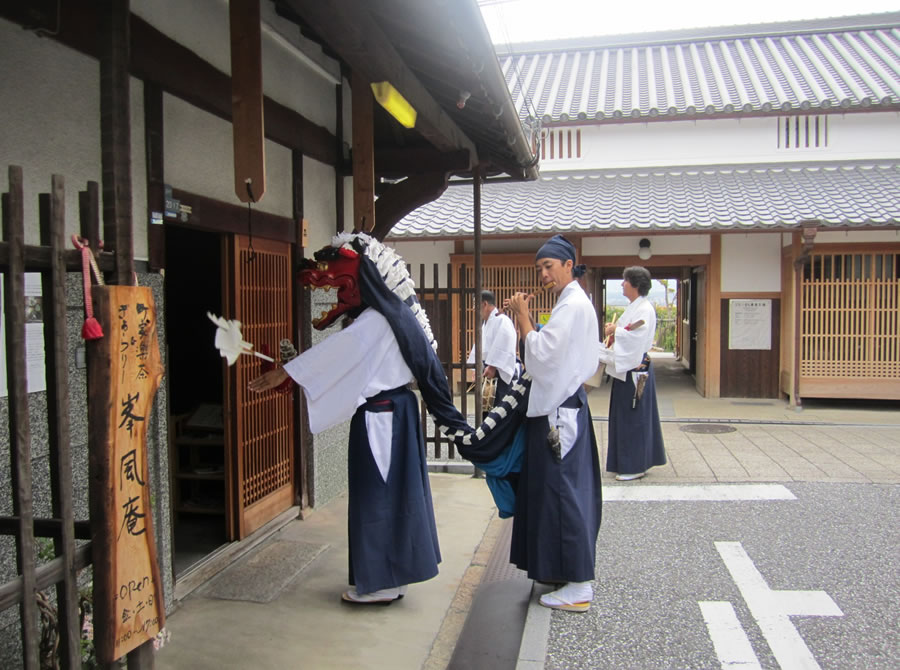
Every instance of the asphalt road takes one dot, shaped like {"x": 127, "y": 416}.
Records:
{"x": 836, "y": 548}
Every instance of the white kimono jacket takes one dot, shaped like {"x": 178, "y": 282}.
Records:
{"x": 498, "y": 345}
{"x": 563, "y": 354}
{"x": 630, "y": 346}
{"x": 345, "y": 368}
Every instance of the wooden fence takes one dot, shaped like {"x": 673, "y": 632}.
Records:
{"x": 441, "y": 304}
{"x": 50, "y": 623}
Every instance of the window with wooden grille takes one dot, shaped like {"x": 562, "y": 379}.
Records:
{"x": 850, "y": 314}
{"x": 802, "y": 132}
{"x": 504, "y": 281}
{"x": 559, "y": 143}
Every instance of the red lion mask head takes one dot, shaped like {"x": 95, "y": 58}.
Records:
{"x": 336, "y": 272}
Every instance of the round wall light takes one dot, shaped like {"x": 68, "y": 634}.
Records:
{"x": 644, "y": 249}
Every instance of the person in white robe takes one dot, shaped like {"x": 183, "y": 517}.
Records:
{"x": 635, "y": 441}
{"x": 498, "y": 345}
{"x": 558, "y": 497}
{"x": 359, "y": 373}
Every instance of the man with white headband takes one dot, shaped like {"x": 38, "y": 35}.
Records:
{"x": 558, "y": 498}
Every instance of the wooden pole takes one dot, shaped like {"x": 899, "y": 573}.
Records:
{"x": 363, "y": 155}
{"x": 115, "y": 134}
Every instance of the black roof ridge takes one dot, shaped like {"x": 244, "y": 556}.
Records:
{"x": 836, "y": 24}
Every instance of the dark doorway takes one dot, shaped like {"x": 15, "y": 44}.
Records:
{"x": 193, "y": 287}
{"x": 692, "y": 320}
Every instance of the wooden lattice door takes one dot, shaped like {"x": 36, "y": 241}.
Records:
{"x": 261, "y": 437}
{"x": 850, "y": 324}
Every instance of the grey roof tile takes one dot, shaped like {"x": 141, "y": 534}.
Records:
{"x": 683, "y": 198}
{"x": 816, "y": 65}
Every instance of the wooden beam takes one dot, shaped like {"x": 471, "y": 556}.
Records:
{"x": 36, "y": 259}
{"x": 247, "y": 100}
{"x": 352, "y": 32}
{"x": 220, "y": 217}
{"x": 363, "y": 155}
{"x": 403, "y": 197}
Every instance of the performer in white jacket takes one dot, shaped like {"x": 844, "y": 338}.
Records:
{"x": 635, "y": 436}
{"x": 558, "y": 499}
{"x": 498, "y": 345}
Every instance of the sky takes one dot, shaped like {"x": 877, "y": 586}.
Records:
{"x": 511, "y": 21}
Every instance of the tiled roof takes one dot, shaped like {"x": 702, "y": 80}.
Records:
{"x": 670, "y": 199}
{"x": 770, "y": 68}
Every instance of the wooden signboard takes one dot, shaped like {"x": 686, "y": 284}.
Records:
{"x": 124, "y": 373}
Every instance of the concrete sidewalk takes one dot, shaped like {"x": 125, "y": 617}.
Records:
{"x": 279, "y": 607}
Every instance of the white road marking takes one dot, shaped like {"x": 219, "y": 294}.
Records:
{"x": 771, "y": 609}
{"x": 688, "y": 492}
{"x": 728, "y": 637}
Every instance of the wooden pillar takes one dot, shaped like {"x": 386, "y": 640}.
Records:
{"x": 115, "y": 134}
{"x": 303, "y": 334}
{"x": 796, "y": 247}
{"x": 156, "y": 188}
{"x": 339, "y": 143}
{"x": 713, "y": 323}
{"x": 363, "y": 155}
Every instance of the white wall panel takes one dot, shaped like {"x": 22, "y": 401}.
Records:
{"x": 660, "y": 245}
{"x": 429, "y": 253}
{"x": 318, "y": 203}
{"x": 751, "y": 262}
{"x": 868, "y": 136}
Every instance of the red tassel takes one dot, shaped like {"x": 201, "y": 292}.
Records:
{"x": 91, "y": 330}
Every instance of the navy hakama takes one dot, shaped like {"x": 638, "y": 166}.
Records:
{"x": 635, "y": 436}
{"x": 392, "y": 532}
{"x": 558, "y": 504}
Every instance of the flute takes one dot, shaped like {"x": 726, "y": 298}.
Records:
{"x": 545, "y": 287}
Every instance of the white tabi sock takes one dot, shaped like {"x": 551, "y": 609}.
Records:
{"x": 575, "y": 592}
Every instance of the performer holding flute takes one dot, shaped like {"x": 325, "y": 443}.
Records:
{"x": 558, "y": 500}
{"x": 635, "y": 436}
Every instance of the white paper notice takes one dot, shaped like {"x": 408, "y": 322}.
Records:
{"x": 750, "y": 324}
{"x": 34, "y": 337}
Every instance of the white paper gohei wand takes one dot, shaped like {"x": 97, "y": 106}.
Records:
{"x": 229, "y": 340}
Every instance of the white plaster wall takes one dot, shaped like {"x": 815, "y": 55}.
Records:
{"x": 45, "y": 80}
{"x": 199, "y": 158}
{"x": 318, "y": 202}
{"x": 864, "y": 136}
{"x": 427, "y": 253}
{"x": 660, "y": 245}
{"x": 285, "y": 77}
{"x": 751, "y": 262}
